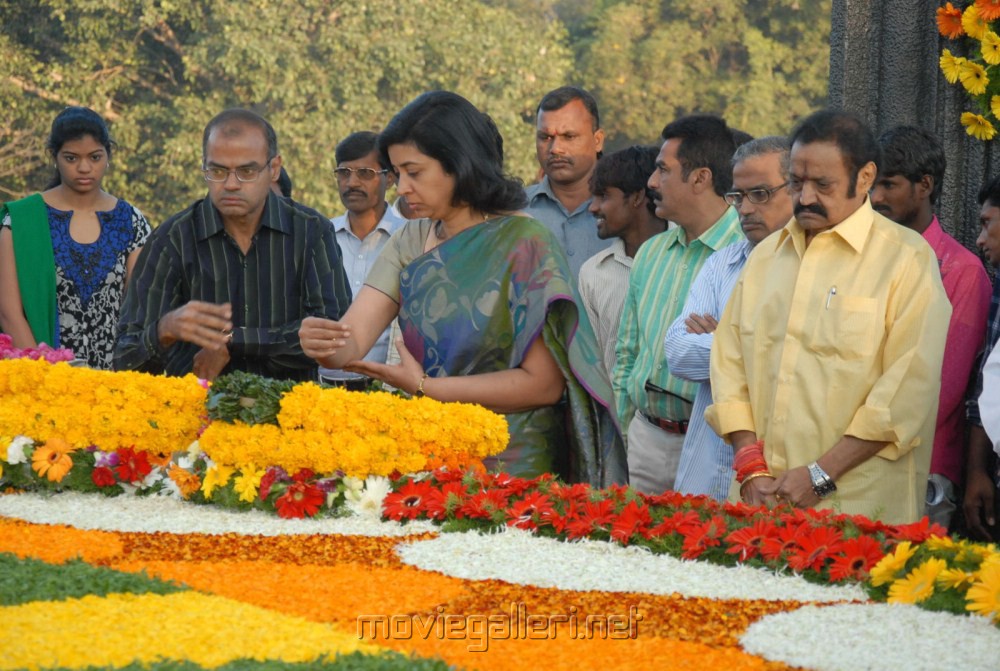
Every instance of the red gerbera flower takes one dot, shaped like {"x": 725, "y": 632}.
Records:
{"x": 102, "y": 476}
{"x": 918, "y": 531}
{"x": 746, "y": 542}
{"x": 304, "y": 475}
{"x": 815, "y": 546}
{"x": 857, "y": 557}
{"x": 576, "y": 492}
{"x": 699, "y": 538}
{"x": 633, "y": 519}
{"x": 132, "y": 466}
{"x": 559, "y": 521}
{"x": 599, "y": 513}
{"x": 408, "y": 502}
{"x": 300, "y": 500}
{"x": 679, "y": 522}
{"x": 949, "y": 20}
{"x": 526, "y": 513}
{"x": 786, "y": 540}
{"x": 440, "y": 502}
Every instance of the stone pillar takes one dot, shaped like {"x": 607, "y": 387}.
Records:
{"x": 884, "y": 66}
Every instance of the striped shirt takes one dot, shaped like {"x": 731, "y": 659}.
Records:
{"x": 603, "y": 284}
{"x": 992, "y": 335}
{"x": 662, "y": 273}
{"x": 706, "y": 465}
{"x": 293, "y": 269}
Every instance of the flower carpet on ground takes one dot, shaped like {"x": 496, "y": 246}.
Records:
{"x": 437, "y": 592}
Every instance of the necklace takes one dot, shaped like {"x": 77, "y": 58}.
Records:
{"x": 442, "y": 234}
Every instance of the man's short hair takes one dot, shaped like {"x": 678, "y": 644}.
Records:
{"x": 284, "y": 183}
{"x": 628, "y": 169}
{"x": 229, "y": 122}
{"x": 990, "y": 192}
{"x": 564, "y": 95}
{"x": 846, "y": 130}
{"x": 358, "y": 145}
{"x": 913, "y": 152}
{"x": 762, "y": 146}
{"x": 706, "y": 142}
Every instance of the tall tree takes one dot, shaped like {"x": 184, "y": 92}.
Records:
{"x": 761, "y": 64}
{"x": 318, "y": 70}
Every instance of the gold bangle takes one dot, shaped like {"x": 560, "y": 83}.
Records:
{"x": 758, "y": 474}
{"x": 419, "y": 393}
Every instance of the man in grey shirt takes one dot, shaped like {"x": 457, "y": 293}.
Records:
{"x": 568, "y": 142}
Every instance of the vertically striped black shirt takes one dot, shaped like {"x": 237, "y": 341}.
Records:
{"x": 292, "y": 270}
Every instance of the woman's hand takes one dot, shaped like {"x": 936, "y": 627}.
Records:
{"x": 406, "y": 375}
{"x": 322, "y": 338}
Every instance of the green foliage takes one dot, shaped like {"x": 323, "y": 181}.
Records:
{"x": 245, "y": 397}
{"x": 355, "y": 661}
{"x": 25, "y": 580}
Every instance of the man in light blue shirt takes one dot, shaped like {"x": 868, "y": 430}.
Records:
{"x": 363, "y": 230}
{"x": 568, "y": 142}
{"x": 760, "y": 174}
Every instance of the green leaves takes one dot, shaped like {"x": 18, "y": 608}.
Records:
{"x": 247, "y": 398}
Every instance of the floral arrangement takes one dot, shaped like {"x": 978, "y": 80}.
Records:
{"x": 821, "y": 545}
{"x": 43, "y": 351}
{"x": 941, "y": 574}
{"x": 977, "y": 73}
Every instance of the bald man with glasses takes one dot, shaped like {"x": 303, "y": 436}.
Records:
{"x": 224, "y": 285}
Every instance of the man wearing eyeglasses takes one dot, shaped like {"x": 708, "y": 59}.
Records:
{"x": 693, "y": 171}
{"x": 760, "y": 196}
{"x": 224, "y": 285}
{"x": 362, "y": 231}
{"x": 830, "y": 348}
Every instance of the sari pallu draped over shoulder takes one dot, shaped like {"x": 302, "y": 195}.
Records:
{"x": 476, "y": 303}
{"x": 36, "y": 266}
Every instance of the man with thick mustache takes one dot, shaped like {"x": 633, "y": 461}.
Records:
{"x": 830, "y": 349}
{"x": 693, "y": 172}
{"x": 568, "y": 142}
{"x": 362, "y": 231}
{"x": 760, "y": 196}
{"x": 224, "y": 284}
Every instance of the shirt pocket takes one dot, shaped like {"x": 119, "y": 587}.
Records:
{"x": 847, "y": 328}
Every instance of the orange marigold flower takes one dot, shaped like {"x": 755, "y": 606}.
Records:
{"x": 949, "y": 20}
{"x": 988, "y": 9}
{"x": 186, "y": 481}
{"x": 52, "y": 460}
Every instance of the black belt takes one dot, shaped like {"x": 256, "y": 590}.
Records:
{"x": 669, "y": 425}
{"x": 350, "y": 384}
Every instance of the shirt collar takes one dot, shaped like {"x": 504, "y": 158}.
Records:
{"x": 934, "y": 233}
{"x": 716, "y": 237}
{"x": 544, "y": 188}
{"x": 274, "y": 216}
{"x": 853, "y": 230}
{"x": 389, "y": 222}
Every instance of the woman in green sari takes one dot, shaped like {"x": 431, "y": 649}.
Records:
{"x": 484, "y": 298}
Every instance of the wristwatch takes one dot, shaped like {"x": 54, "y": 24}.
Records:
{"x": 822, "y": 483}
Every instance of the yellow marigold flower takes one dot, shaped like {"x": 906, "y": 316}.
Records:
{"x": 951, "y": 65}
{"x": 978, "y": 126}
{"x": 248, "y": 482}
{"x": 919, "y": 584}
{"x": 973, "y": 23}
{"x": 889, "y": 566}
{"x": 216, "y": 476}
{"x": 52, "y": 460}
{"x": 983, "y": 596}
{"x": 991, "y": 48}
{"x": 973, "y": 77}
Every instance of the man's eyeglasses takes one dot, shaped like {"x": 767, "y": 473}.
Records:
{"x": 364, "y": 174}
{"x": 755, "y": 196}
{"x": 244, "y": 173}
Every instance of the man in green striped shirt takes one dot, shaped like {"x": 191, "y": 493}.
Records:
{"x": 693, "y": 171}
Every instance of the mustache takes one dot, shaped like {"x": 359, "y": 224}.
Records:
{"x": 559, "y": 159}
{"x": 350, "y": 191}
{"x": 815, "y": 208}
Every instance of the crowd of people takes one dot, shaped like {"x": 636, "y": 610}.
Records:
{"x": 778, "y": 320}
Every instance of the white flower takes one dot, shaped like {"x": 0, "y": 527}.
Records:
{"x": 194, "y": 450}
{"x": 352, "y": 487}
{"x": 186, "y": 461}
{"x": 16, "y": 449}
{"x": 370, "y": 502}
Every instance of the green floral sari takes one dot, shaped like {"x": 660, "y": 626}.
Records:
{"x": 475, "y": 304}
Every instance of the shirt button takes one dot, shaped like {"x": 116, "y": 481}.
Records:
{"x": 570, "y": 252}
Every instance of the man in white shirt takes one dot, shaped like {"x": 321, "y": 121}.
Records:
{"x": 362, "y": 231}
